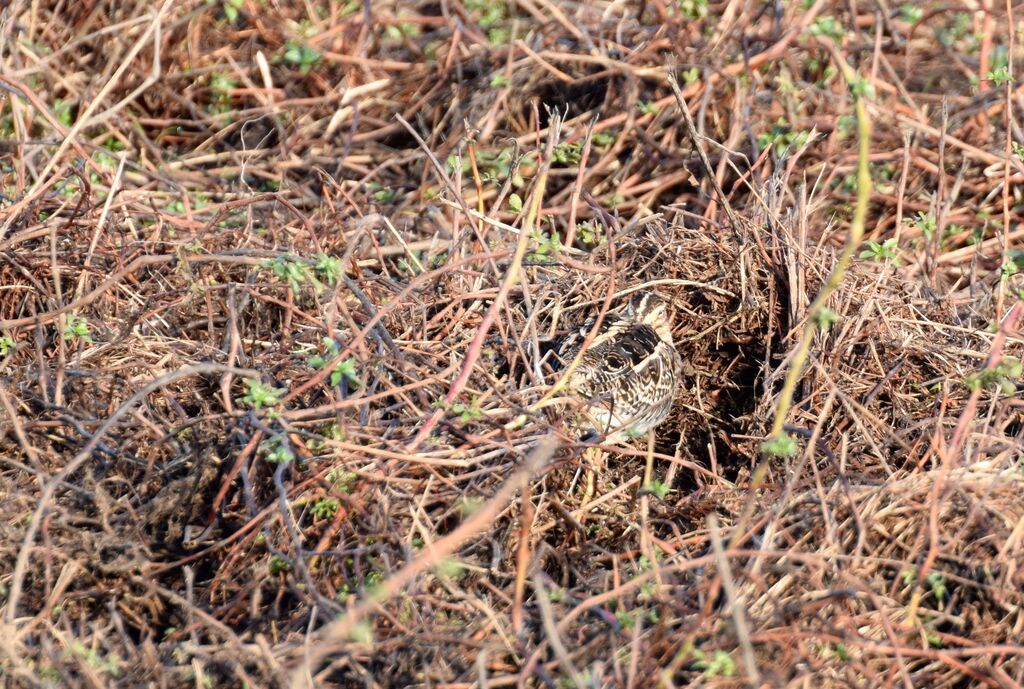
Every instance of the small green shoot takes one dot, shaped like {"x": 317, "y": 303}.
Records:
{"x": 548, "y": 245}
{"x": 325, "y": 508}
{"x": 826, "y": 318}
{"x": 1003, "y": 376}
{"x": 109, "y": 665}
{"x": 62, "y": 110}
{"x": 278, "y": 565}
{"x": 782, "y": 138}
{"x": 230, "y": 9}
{"x": 468, "y": 412}
{"x": 937, "y": 582}
{"x": 568, "y": 153}
{"x": 783, "y": 445}
{"x": 515, "y": 202}
{"x": 693, "y": 9}
{"x": 7, "y": 345}
{"x": 926, "y": 222}
{"x": 1000, "y": 75}
{"x": 589, "y": 233}
{"x": 329, "y": 268}
{"x": 657, "y": 488}
{"x": 720, "y": 664}
{"x": 221, "y": 88}
{"x": 911, "y": 14}
{"x": 885, "y": 251}
{"x": 301, "y": 54}
{"x": 647, "y": 108}
{"x": 828, "y": 26}
{"x": 260, "y": 395}
{"x": 603, "y": 139}
{"x": 341, "y": 479}
{"x": 295, "y": 273}
{"x": 276, "y": 451}
{"x": 77, "y": 328}
{"x": 344, "y": 370}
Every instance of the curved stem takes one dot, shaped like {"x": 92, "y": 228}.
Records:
{"x": 835, "y": 278}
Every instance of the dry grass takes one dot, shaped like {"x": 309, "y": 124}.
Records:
{"x": 275, "y": 297}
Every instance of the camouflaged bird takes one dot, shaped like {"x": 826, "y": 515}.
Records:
{"x": 629, "y": 373}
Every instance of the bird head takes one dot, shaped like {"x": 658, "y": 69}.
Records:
{"x": 651, "y": 309}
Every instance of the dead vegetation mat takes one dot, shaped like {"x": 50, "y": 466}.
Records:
{"x": 260, "y": 425}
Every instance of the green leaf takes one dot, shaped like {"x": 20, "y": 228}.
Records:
{"x": 783, "y": 445}
{"x": 826, "y": 318}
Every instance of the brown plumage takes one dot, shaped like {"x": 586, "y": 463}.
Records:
{"x": 629, "y": 373}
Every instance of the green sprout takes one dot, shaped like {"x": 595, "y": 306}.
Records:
{"x": 828, "y": 26}
{"x": 278, "y": 565}
{"x": 329, "y": 268}
{"x": 110, "y": 665}
{"x": 589, "y": 233}
{"x": 295, "y": 273}
{"x": 926, "y": 222}
{"x": 603, "y": 139}
{"x": 325, "y": 508}
{"x": 276, "y": 451}
{"x": 885, "y": 251}
{"x": 468, "y": 412}
{"x": 222, "y": 86}
{"x": 911, "y": 14}
{"x": 344, "y": 370}
{"x": 62, "y": 110}
{"x": 647, "y": 107}
{"x": 230, "y": 9}
{"x": 490, "y": 15}
{"x": 937, "y": 582}
{"x": 1000, "y": 75}
{"x": 826, "y": 318}
{"x": 400, "y": 31}
{"x": 656, "y": 488}
{"x": 1003, "y": 376}
{"x": 341, "y": 479}
{"x": 260, "y": 395}
{"x": 7, "y": 345}
{"x": 515, "y": 202}
{"x": 693, "y": 9}
{"x": 720, "y": 664}
{"x": 382, "y": 195}
{"x": 782, "y": 137}
{"x": 783, "y": 445}
{"x": 568, "y": 153}
{"x": 77, "y": 328}
{"x": 548, "y": 246}
{"x": 301, "y": 54}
